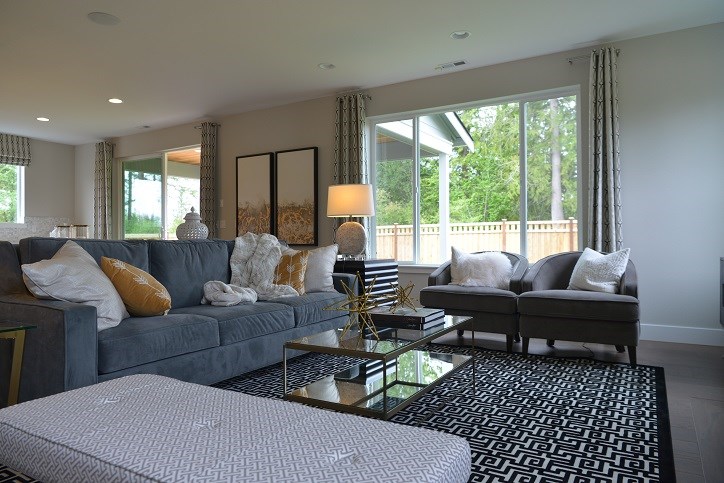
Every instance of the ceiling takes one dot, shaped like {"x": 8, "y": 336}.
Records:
{"x": 178, "y": 61}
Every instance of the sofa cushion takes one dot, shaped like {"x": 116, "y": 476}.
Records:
{"x": 241, "y": 322}
{"x": 579, "y": 305}
{"x": 291, "y": 269}
{"x": 139, "y": 340}
{"x": 134, "y": 252}
{"x": 142, "y": 294}
{"x": 474, "y": 299}
{"x": 183, "y": 267}
{"x": 72, "y": 275}
{"x": 310, "y": 308}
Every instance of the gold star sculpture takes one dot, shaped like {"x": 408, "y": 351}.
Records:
{"x": 402, "y": 297}
{"x": 358, "y": 307}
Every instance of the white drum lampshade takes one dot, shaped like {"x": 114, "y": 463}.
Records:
{"x": 348, "y": 201}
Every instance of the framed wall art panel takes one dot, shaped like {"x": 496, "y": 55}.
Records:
{"x": 296, "y": 196}
{"x": 255, "y": 193}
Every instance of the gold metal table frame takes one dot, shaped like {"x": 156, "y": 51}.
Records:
{"x": 15, "y": 333}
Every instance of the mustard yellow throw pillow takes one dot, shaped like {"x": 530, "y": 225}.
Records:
{"x": 291, "y": 269}
{"x": 142, "y": 294}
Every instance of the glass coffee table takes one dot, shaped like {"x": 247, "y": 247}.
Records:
{"x": 390, "y": 373}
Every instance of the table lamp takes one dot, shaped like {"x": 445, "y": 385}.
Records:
{"x": 350, "y": 200}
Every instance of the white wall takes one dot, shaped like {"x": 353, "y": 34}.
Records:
{"x": 49, "y": 191}
{"x": 671, "y": 124}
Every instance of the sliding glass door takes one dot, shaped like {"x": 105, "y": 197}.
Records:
{"x": 157, "y": 191}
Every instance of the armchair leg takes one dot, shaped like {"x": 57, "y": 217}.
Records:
{"x": 460, "y": 333}
{"x": 516, "y": 338}
{"x": 550, "y": 342}
{"x": 509, "y": 343}
{"x": 526, "y": 341}
{"x": 620, "y": 348}
{"x": 632, "y": 354}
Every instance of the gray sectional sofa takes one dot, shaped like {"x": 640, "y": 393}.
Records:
{"x": 194, "y": 343}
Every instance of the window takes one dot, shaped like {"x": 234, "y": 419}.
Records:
{"x": 158, "y": 191}
{"x": 12, "y": 184}
{"x": 500, "y": 176}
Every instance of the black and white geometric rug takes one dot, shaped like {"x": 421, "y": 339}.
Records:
{"x": 529, "y": 419}
{"x": 532, "y": 418}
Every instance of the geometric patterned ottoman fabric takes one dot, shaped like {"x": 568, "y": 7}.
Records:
{"x": 153, "y": 428}
{"x": 533, "y": 418}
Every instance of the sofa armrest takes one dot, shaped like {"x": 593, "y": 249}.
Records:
{"x": 349, "y": 280}
{"x": 629, "y": 281}
{"x": 550, "y": 273}
{"x": 516, "y": 279}
{"x": 441, "y": 275}
{"x": 61, "y": 353}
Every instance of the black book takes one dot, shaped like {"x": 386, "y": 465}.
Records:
{"x": 404, "y": 318}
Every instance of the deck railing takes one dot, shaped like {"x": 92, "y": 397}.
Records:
{"x": 543, "y": 238}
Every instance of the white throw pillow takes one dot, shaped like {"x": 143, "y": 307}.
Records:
{"x": 320, "y": 265}
{"x": 72, "y": 275}
{"x": 489, "y": 269}
{"x": 598, "y": 272}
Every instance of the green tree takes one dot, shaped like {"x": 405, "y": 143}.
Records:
{"x": 8, "y": 193}
{"x": 485, "y": 181}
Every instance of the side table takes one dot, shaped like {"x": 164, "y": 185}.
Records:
{"x": 385, "y": 269}
{"x": 16, "y": 333}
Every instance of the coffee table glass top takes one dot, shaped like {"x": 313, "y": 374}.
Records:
{"x": 361, "y": 388}
{"x": 391, "y": 340}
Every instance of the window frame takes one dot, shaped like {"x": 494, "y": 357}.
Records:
{"x": 521, "y": 99}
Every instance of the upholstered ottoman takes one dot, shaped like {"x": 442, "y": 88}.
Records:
{"x": 146, "y": 428}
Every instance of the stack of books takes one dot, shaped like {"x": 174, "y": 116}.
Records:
{"x": 404, "y": 318}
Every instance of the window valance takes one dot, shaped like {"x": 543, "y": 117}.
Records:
{"x": 14, "y": 150}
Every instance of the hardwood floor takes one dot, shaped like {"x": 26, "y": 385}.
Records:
{"x": 694, "y": 387}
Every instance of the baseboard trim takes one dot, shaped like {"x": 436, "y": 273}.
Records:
{"x": 683, "y": 335}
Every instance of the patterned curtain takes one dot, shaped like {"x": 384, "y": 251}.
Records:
{"x": 350, "y": 153}
{"x": 604, "y": 234}
{"x": 209, "y": 131}
{"x": 102, "y": 191}
{"x": 14, "y": 150}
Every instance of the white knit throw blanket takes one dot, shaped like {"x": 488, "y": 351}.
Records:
{"x": 253, "y": 263}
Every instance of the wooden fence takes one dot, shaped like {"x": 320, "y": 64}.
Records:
{"x": 544, "y": 238}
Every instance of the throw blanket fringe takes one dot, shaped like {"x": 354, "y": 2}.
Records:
{"x": 224, "y": 294}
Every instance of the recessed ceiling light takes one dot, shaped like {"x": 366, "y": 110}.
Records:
{"x": 325, "y": 66}
{"x": 460, "y": 35}
{"x": 114, "y": 100}
{"x": 102, "y": 18}
{"x": 43, "y": 119}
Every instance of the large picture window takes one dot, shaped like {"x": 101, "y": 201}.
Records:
{"x": 500, "y": 176}
{"x": 11, "y": 193}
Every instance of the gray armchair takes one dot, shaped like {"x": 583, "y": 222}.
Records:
{"x": 493, "y": 310}
{"x": 549, "y": 311}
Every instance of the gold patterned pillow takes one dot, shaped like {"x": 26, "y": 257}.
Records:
{"x": 291, "y": 269}
{"x": 143, "y": 295}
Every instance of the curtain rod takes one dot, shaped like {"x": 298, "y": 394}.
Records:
{"x": 213, "y": 124}
{"x": 355, "y": 91}
{"x": 578, "y": 58}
